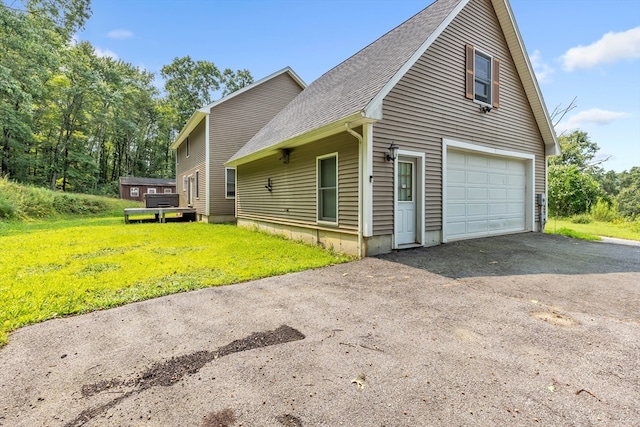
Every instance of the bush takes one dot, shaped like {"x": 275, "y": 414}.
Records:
{"x": 7, "y": 208}
{"x": 604, "y": 211}
{"x": 581, "y": 219}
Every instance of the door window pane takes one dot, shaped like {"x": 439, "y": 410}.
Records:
{"x": 405, "y": 182}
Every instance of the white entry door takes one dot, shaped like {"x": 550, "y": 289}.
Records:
{"x": 406, "y": 206}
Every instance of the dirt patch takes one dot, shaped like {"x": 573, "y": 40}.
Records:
{"x": 169, "y": 372}
{"x": 555, "y": 318}
{"x": 288, "y": 420}
{"x": 224, "y": 418}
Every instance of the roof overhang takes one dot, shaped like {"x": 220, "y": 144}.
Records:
{"x": 527, "y": 76}
{"x": 354, "y": 120}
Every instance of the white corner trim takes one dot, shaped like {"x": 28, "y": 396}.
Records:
{"x": 207, "y": 166}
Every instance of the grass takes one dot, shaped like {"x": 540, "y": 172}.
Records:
{"x": 70, "y": 266}
{"x": 617, "y": 229}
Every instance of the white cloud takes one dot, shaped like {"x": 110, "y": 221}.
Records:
{"x": 543, "y": 71}
{"x": 594, "y": 116}
{"x": 611, "y": 47}
{"x": 120, "y": 34}
{"x": 102, "y": 53}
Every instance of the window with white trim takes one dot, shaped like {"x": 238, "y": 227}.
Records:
{"x": 327, "y": 172}
{"x": 197, "y": 184}
{"x": 482, "y": 82}
{"x": 230, "y": 183}
{"x": 151, "y": 191}
{"x": 134, "y": 192}
{"x": 168, "y": 190}
{"x": 184, "y": 183}
{"x": 186, "y": 146}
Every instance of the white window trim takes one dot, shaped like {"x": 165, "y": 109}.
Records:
{"x": 226, "y": 183}
{"x": 324, "y": 221}
{"x": 490, "y": 57}
{"x": 135, "y": 190}
{"x": 187, "y": 149}
{"x": 197, "y": 184}
{"x": 184, "y": 183}
{"x": 152, "y": 190}
{"x": 167, "y": 190}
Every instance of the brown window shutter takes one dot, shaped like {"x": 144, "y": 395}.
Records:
{"x": 495, "y": 96}
{"x": 469, "y": 72}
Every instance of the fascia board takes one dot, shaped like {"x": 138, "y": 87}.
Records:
{"x": 193, "y": 121}
{"x": 373, "y": 108}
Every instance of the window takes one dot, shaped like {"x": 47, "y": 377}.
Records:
{"x": 151, "y": 191}
{"x": 230, "y": 183}
{"x": 134, "y": 192}
{"x": 197, "y": 184}
{"x": 328, "y": 188}
{"x": 168, "y": 191}
{"x": 405, "y": 182}
{"x": 186, "y": 146}
{"x": 184, "y": 183}
{"x": 482, "y": 77}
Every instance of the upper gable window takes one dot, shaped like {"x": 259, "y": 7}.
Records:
{"x": 482, "y": 77}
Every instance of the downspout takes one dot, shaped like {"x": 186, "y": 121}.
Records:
{"x": 360, "y": 185}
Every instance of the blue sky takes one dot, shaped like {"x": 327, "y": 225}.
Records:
{"x": 589, "y": 49}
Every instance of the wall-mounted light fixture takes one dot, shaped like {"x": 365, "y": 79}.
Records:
{"x": 285, "y": 156}
{"x": 268, "y": 186}
{"x": 485, "y": 109}
{"x": 393, "y": 152}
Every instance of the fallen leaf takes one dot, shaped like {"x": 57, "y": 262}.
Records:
{"x": 359, "y": 381}
{"x": 551, "y": 388}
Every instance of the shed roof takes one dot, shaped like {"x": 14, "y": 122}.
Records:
{"x": 352, "y": 92}
{"x": 200, "y": 113}
{"x": 134, "y": 180}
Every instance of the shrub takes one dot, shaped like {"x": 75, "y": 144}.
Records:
{"x": 581, "y": 219}
{"x": 604, "y": 211}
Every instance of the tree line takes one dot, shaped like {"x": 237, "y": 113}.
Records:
{"x": 578, "y": 183}
{"x": 75, "y": 121}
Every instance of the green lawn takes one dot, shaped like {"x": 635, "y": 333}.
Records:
{"x": 52, "y": 269}
{"x": 621, "y": 229}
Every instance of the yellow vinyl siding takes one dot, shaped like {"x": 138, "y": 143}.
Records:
{"x": 189, "y": 165}
{"x": 429, "y": 104}
{"x": 293, "y": 199}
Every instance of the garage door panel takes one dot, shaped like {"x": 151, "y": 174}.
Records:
{"x": 476, "y": 227}
{"x": 457, "y": 193}
{"x": 457, "y": 176}
{"x": 477, "y": 178}
{"x": 477, "y": 209}
{"x": 491, "y": 198}
{"x": 477, "y": 160}
{"x": 498, "y": 178}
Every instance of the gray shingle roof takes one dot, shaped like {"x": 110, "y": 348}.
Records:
{"x": 350, "y": 87}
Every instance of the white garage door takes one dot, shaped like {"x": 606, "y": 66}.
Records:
{"x": 485, "y": 195}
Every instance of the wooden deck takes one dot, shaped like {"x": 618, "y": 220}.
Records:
{"x": 160, "y": 214}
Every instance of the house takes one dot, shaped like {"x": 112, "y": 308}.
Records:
{"x": 215, "y": 132}
{"x": 134, "y": 188}
{"x": 435, "y": 132}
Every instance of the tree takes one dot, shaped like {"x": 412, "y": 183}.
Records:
{"x": 190, "y": 85}
{"x": 573, "y": 187}
{"x": 235, "y": 80}
{"x": 629, "y": 196}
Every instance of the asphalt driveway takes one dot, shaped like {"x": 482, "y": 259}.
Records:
{"x": 525, "y": 329}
